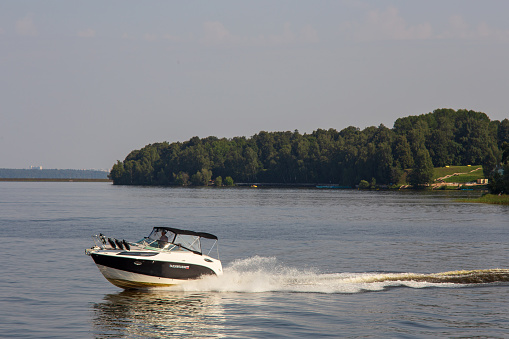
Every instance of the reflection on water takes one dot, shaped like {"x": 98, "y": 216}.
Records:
{"x": 158, "y": 314}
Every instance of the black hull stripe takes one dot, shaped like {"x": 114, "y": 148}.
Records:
{"x": 162, "y": 269}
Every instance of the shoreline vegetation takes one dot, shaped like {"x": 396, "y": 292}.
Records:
{"x": 451, "y": 186}
{"x": 450, "y": 178}
{"x": 485, "y": 198}
{"x": 434, "y": 151}
{"x": 407, "y": 155}
{"x": 494, "y": 199}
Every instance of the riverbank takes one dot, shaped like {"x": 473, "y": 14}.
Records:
{"x": 489, "y": 199}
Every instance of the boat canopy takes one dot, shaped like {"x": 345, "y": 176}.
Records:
{"x": 169, "y": 239}
{"x": 185, "y": 232}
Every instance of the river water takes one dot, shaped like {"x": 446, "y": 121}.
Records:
{"x": 298, "y": 263}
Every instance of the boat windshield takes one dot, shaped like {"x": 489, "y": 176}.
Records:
{"x": 170, "y": 239}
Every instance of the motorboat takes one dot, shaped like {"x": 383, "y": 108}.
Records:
{"x": 168, "y": 256}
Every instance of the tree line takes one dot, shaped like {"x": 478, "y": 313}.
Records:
{"x": 380, "y": 154}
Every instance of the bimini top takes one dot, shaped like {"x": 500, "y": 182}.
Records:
{"x": 185, "y": 232}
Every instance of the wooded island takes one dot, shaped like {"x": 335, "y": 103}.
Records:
{"x": 407, "y": 153}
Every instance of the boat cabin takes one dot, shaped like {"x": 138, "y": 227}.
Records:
{"x": 174, "y": 239}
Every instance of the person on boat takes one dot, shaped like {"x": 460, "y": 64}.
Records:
{"x": 163, "y": 237}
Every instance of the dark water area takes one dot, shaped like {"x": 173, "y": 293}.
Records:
{"x": 297, "y": 262}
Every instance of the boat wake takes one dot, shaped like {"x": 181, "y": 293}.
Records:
{"x": 259, "y": 274}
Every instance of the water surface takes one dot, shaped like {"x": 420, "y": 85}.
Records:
{"x": 298, "y": 263}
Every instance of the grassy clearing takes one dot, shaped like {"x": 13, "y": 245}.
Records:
{"x": 443, "y": 171}
{"x": 468, "y": 175}
{"x": 489, "y": 199}
{"x": 465, "y": 178}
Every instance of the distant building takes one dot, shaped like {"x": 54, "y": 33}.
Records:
{"x": 482, "y": 181}
{"x": 36, "y": 167}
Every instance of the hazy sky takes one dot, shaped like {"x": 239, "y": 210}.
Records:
{"x": 83, "y": 83}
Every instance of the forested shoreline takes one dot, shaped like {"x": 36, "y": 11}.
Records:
{"x": 380, "y": 154}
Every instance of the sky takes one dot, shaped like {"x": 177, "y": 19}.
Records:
{"x": 83, "y": 83}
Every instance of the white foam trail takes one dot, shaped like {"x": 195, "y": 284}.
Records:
{"x": 259, "y": 274}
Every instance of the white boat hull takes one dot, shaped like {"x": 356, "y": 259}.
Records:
{"x": 130, "y": 270}
{"x": 129, "y": 280}
{"x": 155, "y": 261}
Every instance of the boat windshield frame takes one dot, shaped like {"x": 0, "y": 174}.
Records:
{"x": 178, "y": 239}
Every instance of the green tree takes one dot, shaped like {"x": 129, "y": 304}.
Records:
{"x": 218, "y": 181}
{"x": 396, "y": 174}
{"x": 181, "y": 179}
{"x": 228, "y": 181}
{"x": 499, "y": 179}
{"x": 439, "y": 148}
{"x": 373, "y": 183}
{"x": 201, "y": 178}
{"x": 117, "y": 173}
{"x": 251, "y": 164}
{"x": 197, "y": 179}
{"x": 384, "y": 162}
{"x": 162, "y": 178}
{"x": 363, "y": 184}
{"x": 503, "y": 132}
{"x": 328, "y": 156}
{"x": 207, "y": 176}
{"x": 417, "y": 136}
{"x": 422, "y": 173}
